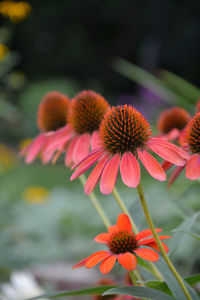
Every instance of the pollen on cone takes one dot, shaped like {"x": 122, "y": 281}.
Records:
{"x": 52, "y": 111}
{"x": 86, "y": 111}
{"x": 175, "y": 117}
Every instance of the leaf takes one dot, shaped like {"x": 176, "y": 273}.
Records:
{"x": 158, "y": 285}
{"x": 193, "y": 279}
{"x": 180, "y": 85}
{"x": 145, "y": 79}
{"x": 194, "y": 235}
{"x": 178, "y": 237}
{"x": 99, "y": 290}
{"x": 143, "y": 292}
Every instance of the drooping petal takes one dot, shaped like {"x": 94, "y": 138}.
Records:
{"x": 108, "y": 263}
{"x": 109, "y": 175}
{"x": 147, "y": 241}
{"x": 81, "y": 148}
{"x": 60, "y": 137}
{"x": 130, "y": 170}
{"x": 95, "y": 258}
{"x": 95, "y": 175}
{"x": 69, "y": 152}
{"x": 95, "y": 140}
{"x": 152, "y": 166}
{"x": 58, "y": 154}
{"x": 102, "y": 238}
{"x": 168, "y": 151}
{"x": 35, "y": 148}
{"x": 166, "y": 165}
{"x": 80, "y": 264}
{"x": 192, "y": 170}
{"x": 176, "y": 172}
{"x": 128, "y": 261}
{"x": 86, "y": 164}
{"x": 145, "y": 233}
{"x": 78, "y": 164}
{"x": 155, "y": 246}
{"x": 124, "y": 223}
{"x": 147, "y": 254}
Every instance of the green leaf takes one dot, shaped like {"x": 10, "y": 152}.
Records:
{"x": 145, "y": 79}
{"x": 158, "y": 285}
{"x": 144, "y": 292}
{"x": 194, "y": 235}
{"x": 99, "y": 290}
{"x": 193, "y": 279}
{"x": 180, "y": 85}
{"x": 178, "y": 237}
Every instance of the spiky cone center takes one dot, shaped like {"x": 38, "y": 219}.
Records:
{"x": 52, "y": 111}
{"x": 124, "y": 129}
{"x": 175, "y": 117}
{"x": 192, "y": 134}
{"x": 122, "y": 242}
{"x": 87, "y": 111}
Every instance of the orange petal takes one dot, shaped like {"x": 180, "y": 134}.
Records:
{"x": 155, "y": 246}
{"x": 102, "y": 238}
{"x": 80, "y": 264}
{"x": 95, "y": 258}
{"x": 128, "y": 261}
{"x": 147, "y": 254}
{"x": 108, "y": 263}
{"x": 113, "y": 229}
{"x": 124, "y": 223}
{"x": 145, "y": 233}
{"x": 162, "y": 237}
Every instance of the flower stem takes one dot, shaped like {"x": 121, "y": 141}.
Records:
{"x": 157, "y": 239}
{"x": 123, "y": 207}
{"x": 133, "y": 278}
{"x": 96, "y": 204}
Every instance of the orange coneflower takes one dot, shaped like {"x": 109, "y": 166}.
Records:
{"x": 172, "y": 122}
{"x": 51, "y": 120}
{"x": 124, "y": 139}
{"x": 123, "y": 245}
{"x": 85, "y": 115}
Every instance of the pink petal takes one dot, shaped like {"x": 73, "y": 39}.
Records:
{"x": 147, "y": 254}
{"x": 95, "y": 140}
{"x": 109, "y": 175}
{"x": 152, "y": 166}
{"x": 124, "y": 223}
{"x": 107, "y": 264}
{"x": 69, "y": 152}
{"x": 173, "y": 134}
{"x": 176, "y": 172}
{"x": 86, "y": 163}
{"x": 130, "y": 170}
{"x": 60, "y": 137}
{"x": 81, "y": 147}
{"x": 128, "y": 261}
{"x": 102, "y": 238}
{"x": 95, "y": 175}
{"x": 166, "y": 165}
{"x": 57, "y": 155}
{"x": 168, "y": 151}
{"x": 35, "y": 148}
{"x": 192, "y": 170}
{"x": 145, "y": 233}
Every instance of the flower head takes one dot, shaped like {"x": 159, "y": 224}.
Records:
{"x": 16, "y": 11}
{"x": 124, "y": 139}
{"x": 52, "y": 122}
{"x": 124, "y": 246}
{"x": 172, "y": 121}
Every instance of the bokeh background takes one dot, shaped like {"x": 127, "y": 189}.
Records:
{"x": 46, "y": 222}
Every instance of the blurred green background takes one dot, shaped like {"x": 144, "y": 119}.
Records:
{"x": 73, "y": 45}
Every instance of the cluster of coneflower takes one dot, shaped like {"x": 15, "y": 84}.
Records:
{"x": 116, "y": 139}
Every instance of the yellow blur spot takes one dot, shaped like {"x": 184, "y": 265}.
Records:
{"x": 35, "y": 194}
{"x": 16, "y": 11}
{"x": 8, "y": 158}
{"x": 3, "y": 51}
{"x": 24, "y": 143}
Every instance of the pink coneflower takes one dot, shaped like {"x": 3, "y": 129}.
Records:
{"x": 191, "y": 143}
{"x": 85, "y": 115}
{"x": 125, "y": 138}
{"x": 172, "y": 122}
{"x": 123, "y": 246}
{"x": 51, "y": 120}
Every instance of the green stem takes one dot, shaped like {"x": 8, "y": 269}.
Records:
{"x": 157, "y": 239}
{"x": 96, "y": 204}
{"x": 123, "y": 207}
{"x": 133, "y": 278}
